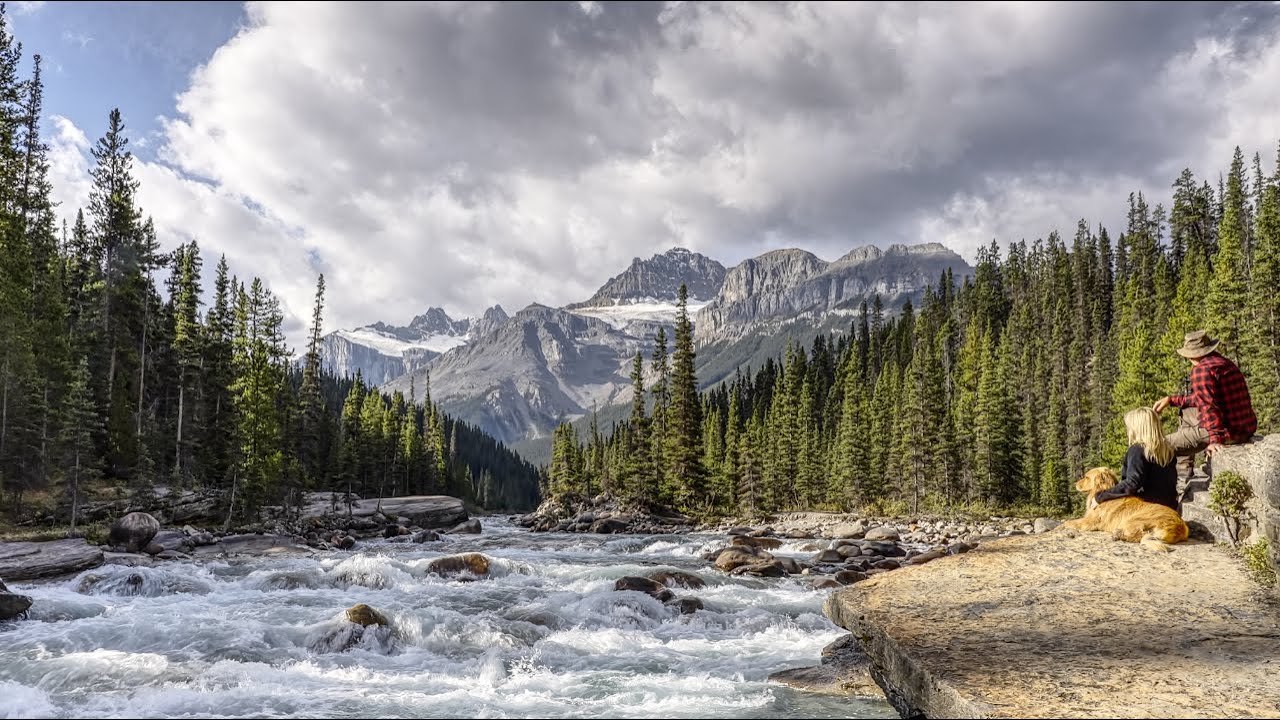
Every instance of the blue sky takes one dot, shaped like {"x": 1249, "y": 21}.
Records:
{"x": 137, "y": 56}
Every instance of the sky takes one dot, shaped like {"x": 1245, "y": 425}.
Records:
{"x": 466, "y": 154}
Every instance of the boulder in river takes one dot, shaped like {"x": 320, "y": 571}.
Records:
{"x": 394, "y": 531}
{"x": 254, "y": 544}
{"x": 36, "y": 560}
{"x": 678, "y": 578}
{"x": 771, "y": 568}
{"x": 428, "y": 511}
{"x": 609, "y": 526}
{"x": 852, "y": 530}
{"x": 364, "y": 615}
{"x": 451, "y": 565}
{"x": 881, "y": 533}
{"x": 425, "y": 536}
{"x": 764, "y": 543}
{"x": 686, "y": 605}
{"x": 638, "y": 584}
{"x": 133, "y": 532}
{"x": 736, "y": 556}
{"x": 469, "y": 527}
{"x": 12, "y": 604}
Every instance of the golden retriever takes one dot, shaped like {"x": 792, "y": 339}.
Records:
{"x": 1130, "y": 519}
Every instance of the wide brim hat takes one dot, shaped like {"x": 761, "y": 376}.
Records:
{"x": 1197, "y": 344}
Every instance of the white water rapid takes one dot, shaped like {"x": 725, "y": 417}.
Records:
{"x": 545, "y": 636}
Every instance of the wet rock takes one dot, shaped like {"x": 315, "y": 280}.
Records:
{"x": 395, "y": 531}
{"x": 771, "y": 568}
{"x": 930, "y": 556}
{"x": 887, "y": 564}
{"x": 678, "y": 578}
{"x": 344, "y": 542}
{"x": 202, "y": 539}
{"x": 35, "y": 560}
{"x": 1044, "y": 524}
{"x": 797, "y": 534}
{"x": 608, "y": 526}
{"x": 733, "y": 557}
{"x": 426, "y": 536}
{"x": 639, "y": 584}
{"x": 12, "y": 604}
{"x": 762, "y": 532}
{"x": 764, "y": 543}
{"x": 467, "y": 563}
{"x": 829, "y": 556}
{"x": 253, "y": 544}
{"x": 153, "y": 548}
{"x": 133, "y": 531}
{"x": 686, "y": 605}
{"x": 881, "y": 533}
{"x": 739, "y": 531}
{"x": 789, "y": 565}
{"x": 848, "y": 551}
{"x": 959, "y": 548}
{"x": 470, "y": 527}
{"x": 877, "y": 548}
{"x": 849, "y": 577}
{"x": 825, "y": 583}
{"x": 365, "y": 616}
{"x": 172, "y": 555}
{"x": 428, "y": 511}
{"x": 172, "y": 540}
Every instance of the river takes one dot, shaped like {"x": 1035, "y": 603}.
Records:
{"x": 545, "y": 636}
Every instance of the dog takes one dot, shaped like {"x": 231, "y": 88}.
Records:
{"x": 1130, "y": 519}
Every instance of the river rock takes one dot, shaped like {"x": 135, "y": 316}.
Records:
{"x": 36, "y": 560}
{"x": 824, "y": 583}
{"x": 848, "y": 551}
{"x": 428, "y": 511}
{"x": 771, "y": 568}
{"x": 849, "y": 577}
{"x": 344, "y": 542}
{"x": 798, "y": 534}
{"x": 254, "y": 544}
{"x": 789, "y": 565}
{"x": 881, "y": 533}
{"x": 172, "y": 555}
{"x": 395, "y": 531}
{"x": 153, "y": 548}
{"x": 887, "y": 564}
{"x": 737, "y": 556}
{"x": 609, "y": 526}
{"x": 829, "y": 556}
{"x": 762, "y": 532}
{"x": 1044, "y": 524}
{"x": 133, "y": 532}
{"x": 172, "y": 540}
{"x": 686, "y": 605}
{"x": 365, "y": 616}
{"x": 852, "y": 530}
{"x": 451, "y": 565}
{"x": 678, "y": 578}
{"x": 13, "y": 605}
{"x": 739, "y": 531}
{"x": 764, "y": 543}
{"x": 425, "y": 536}
{"x": 470, "y": 527}
{"x": 845, "y": 670}
{"x": 923, "y": 558}
{"x": 959, "y": 548}
{"x": 639, "y": 584}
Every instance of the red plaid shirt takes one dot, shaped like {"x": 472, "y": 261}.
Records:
{"x": 1218, "y": 391}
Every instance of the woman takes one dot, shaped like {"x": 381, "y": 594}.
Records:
{"x": 1148, "y": 471}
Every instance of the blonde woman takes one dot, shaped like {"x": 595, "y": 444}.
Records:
{"x": 1148, "y": 472}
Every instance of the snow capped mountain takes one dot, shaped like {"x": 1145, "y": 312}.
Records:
{"x": 382, "y": 352}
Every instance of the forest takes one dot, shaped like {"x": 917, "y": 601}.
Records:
{"x": 114, "y": 375}
{"x": 996, "y": 392}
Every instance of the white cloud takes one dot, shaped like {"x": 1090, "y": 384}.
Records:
{"x": 464, "y": 154}
{"x": 27, "y": 7}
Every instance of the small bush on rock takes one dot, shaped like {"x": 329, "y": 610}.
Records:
{"x": 1257, "y": 561}
{"x": 1229, "y": 496}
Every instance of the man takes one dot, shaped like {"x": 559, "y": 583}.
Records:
{"x": 1223, "y": 410}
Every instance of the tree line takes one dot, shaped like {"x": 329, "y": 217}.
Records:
{"x": 108, "y": 379}
{"x": 997, "y": 391}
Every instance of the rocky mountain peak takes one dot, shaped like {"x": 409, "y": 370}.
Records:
{"x": 659, "y": 279}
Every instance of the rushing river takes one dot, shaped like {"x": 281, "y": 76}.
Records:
{"x": 545, "y": 636}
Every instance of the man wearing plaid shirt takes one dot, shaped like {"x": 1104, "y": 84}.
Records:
{"x": 1218, "y": 395}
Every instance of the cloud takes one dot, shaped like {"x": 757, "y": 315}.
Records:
{"x": 27, "y": 7}
{"x": 461, "y": 154}
{"x": 77, "y": 38}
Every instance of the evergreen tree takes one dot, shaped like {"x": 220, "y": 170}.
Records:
{"x": 1227, "y": 286}
{"x": 684, "y": 448}
{"x": 79, "y": 457}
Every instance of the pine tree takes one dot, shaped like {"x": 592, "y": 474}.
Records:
{"x": 79, "y": 457}
{"x": 188, "y": 347}
{"x": 684, "y": 448}
{"x": 1264, "y": 307}
{"x": 259, "y": 363}
{"x": 1227, "y": 286}
{"x": 313, "y": 409}
{"x": 658, "y": 423}
{"x": 640, "y": 483}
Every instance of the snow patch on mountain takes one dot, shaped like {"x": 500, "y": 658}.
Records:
{"x": 622, "y": 314}
{"x": 393, "y": 346}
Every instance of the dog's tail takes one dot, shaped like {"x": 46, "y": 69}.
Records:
{"x": 1155, "y": 544}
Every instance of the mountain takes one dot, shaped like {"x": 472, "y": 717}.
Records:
{"x": 541, "y": 366}
{"x": 382, "y": 352}
{"x": 787, "y": 285}
{"x": 658, "y": 279}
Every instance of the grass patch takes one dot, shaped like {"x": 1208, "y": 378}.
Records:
{"x": 1257, "y": 562}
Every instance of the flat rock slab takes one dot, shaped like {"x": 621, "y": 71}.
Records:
{"x": 1059, "y": 626}
{"x": 254, "y": 545}
{"x": 37, "y": 560}
{"x": 428, "y": 511}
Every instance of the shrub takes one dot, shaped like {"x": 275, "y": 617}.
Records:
{"x": 1229, "y": 496}
{"x": 1257, "y": 561}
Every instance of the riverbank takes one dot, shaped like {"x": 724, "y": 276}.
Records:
{"x": 1057, "y": 625}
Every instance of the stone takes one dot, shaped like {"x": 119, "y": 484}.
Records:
{"x": 638, "y": 584}
{"x": 133, "y": 532}
{"x": 760, "y": 569}
{"x": 38, "y": 560}
{"x": 877, "y": 548}
{"x": 678, "y": 578}
{"x": 153, "y": 548}
{"x": 172, "y": 540}
{"x": 686, "y": 605}
{"x": 848, "y": 551}
{"x": 452, "y": 565}
{"x": 798, "y": 534}
{"x": 789, "y": 565}
{"x": 1030, "y": 627}
{"x": 824, "y": 583}
{"x": 172, "y": 555}
{"x": 887, "y": 564}
{"x": 829, "y": 556}
{"x": 958, "y": 548}
{"x": 739, "y": 531}
{"x": 845, "y": 670}
{"x": 609, "y": 526}
{"x": 1044, "y": 525}
{"x": 253, "y": 544}
{"x": 852, "y": 530}
{"x": 425, "y": 536}
{"x": 428, "y": 511}
{"x": 881, "y": 533}
{"x": 395, "y": 531}
{"x": 365, "y": 616}
{"x": 849, "y": 577}
{"x": 470, "y": 527}
{"x": 12, "y": 605}
{"x": 344, "y": 542}
{"x": 733, "y": 557}
{"x": 930, "y": 556}
{"x": 764, "y": 543}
